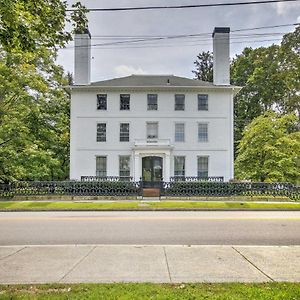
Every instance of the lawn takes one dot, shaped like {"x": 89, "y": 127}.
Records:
{"x": 138, "y": 205}
{"x": 139, "y": 291}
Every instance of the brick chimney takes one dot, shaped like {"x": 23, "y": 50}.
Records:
{"x": 221, "y": 54}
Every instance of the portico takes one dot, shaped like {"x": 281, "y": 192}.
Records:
{"x": 152, "y": 160}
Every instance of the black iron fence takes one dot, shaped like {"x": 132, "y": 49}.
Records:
{"x": 225, "y": 189}
{"x": 73, "y": 188}
{"x": 131, "y": 188}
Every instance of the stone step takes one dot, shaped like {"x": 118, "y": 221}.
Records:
{"x": 151, "y": 192}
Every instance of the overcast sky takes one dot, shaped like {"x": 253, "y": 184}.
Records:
{"x": 174, "y": 56}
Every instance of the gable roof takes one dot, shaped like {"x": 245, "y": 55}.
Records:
{"x": 151, "y": 80}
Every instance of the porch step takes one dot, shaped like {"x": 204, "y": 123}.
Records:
{"x": 151, "y": 192}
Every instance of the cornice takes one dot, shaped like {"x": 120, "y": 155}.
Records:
{"x": 230, "y": 88}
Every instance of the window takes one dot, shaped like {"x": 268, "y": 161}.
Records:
{"x": 152, "y": 101}
{"x": 202, "y": 166}
{"x": 101, "y": 132}
{"x": 124, "y": 132}
{"x": 179, "y": 132}
{"x": 152, "y": 130}
{"x": 203, "y": 102}
{"x": 202, "y": 132}
{"x": 101, "y": 166}
{"x": 101, "y": 101}
{"x": 179, "y": 102}
{"x": 179, "y": 166}
{"x": 124, "y": 166}
{"x": 124, "y": 102}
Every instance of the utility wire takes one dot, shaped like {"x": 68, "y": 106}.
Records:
{"x": 184, "y": 6}
{"x": 185, "y": 36}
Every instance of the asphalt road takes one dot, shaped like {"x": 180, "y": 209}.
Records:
{"x": 150, "y": 228}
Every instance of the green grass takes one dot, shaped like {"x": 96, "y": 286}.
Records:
{"x": 122, "y": 205}
{"x": 134, "y": 291}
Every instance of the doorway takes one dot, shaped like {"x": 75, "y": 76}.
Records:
{"x": 152, "y": 170}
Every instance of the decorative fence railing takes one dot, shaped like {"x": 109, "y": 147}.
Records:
{"x": 74, "y": 188}
{"x": 219, "y": 189}
{"x": 106, "y": 178}
{"x": 131, "y": 188}
{"x": 191, "y": 178}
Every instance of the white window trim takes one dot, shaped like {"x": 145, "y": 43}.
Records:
{"x": 208, "y": 135}
{"x": 152, "y": 122}
{"x": 208, "y": 164}
{"x": 96, "y": 163}
{"x": 207, "y": 102}
{"x": 184, "y": 130}
{"x": 124, "y": 122}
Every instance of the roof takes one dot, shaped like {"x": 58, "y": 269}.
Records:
{"x": 151, "y": 80}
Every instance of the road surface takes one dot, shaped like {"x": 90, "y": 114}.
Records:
{"x": 150, "y": 228}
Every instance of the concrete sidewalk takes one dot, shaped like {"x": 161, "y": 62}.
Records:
{"x": 159, "y": 264}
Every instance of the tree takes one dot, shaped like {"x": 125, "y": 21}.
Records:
{"x": 34, "y": 107}
{"x": 270, "y": 77}
{"x": 270, "y": 149}
{"x": 204, "y": 66}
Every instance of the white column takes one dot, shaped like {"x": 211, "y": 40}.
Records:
{"x": 167, "y": 168}
{"x": 136, "y": 167}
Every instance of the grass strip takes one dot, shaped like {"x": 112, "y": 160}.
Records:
{"x": 140, "y": 291}
{"x": 123, "y": 205}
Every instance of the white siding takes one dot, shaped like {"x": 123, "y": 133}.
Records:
{"x": 85, "y": 116}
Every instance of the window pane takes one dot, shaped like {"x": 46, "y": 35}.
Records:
{"x": 102, "y": 101}
{"x": 179, "y": 132}
{"x": 179, "y": 102}
{"x": 202, "y": 132}
{"x": 152, "y": 130}
{"x": 202, "y": 166}
{"x": 179, "y": 166}
{"x": 152, "y": 101}
{"x": 101, "y": 132}
{"x": 124, "y": 166}
{"x": 101, "y": 166}
{"x": 124, "y": 132}
{"x": 125, "y": 102}
{"x": 202, "y": 102}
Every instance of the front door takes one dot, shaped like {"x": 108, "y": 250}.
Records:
{"x": 152, "y": 170}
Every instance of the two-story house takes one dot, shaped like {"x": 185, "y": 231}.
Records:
{"x": 152, "y": 126}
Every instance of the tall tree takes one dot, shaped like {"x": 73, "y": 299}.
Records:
{"x": 270, "y": 77}
{"x": 270, "y": 149}
{"x": 204, "y": 66}
{"x": 34, "y": 107}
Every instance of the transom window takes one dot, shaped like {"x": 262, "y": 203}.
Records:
{"x": 179, "y": 132}
{"x": 101, "y": 166}
{"x": 102, "y": 101}
{"x": 202, "y": 102}
{"x": 152, "y": 101}
{"x": 179, "y": 101}
{"x": 152, "y": 130}
{"x": 202, "y": 132}
{"x": 124, "y": 166}
{"x": 179, "y": 166}
{"x": 124, "y": 132}
{"x": 202, "y": 166}
{"x": 101, "y": 132}
{"x": 124, "y": 102}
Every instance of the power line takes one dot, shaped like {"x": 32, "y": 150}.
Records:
{"x": 183, "y": 6}
{"x": 205, "y": 37}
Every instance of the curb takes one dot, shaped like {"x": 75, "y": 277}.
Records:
{"x": 148, "y": 209}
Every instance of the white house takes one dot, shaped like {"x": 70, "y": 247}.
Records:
{"x": 152, "y": 126}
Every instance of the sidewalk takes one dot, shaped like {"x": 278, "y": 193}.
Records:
{"x": 158, "y": 264}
